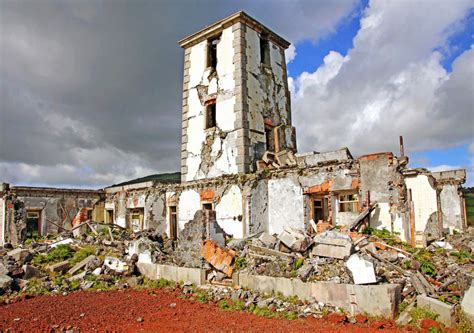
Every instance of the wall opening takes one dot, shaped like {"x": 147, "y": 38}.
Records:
{"x": 211, "y": 115}
{"x": 270, "y": 138}
{"x": 207, "y": 206}
{"x": 109, "y": 215}
{"x": 349, "y": 202}
{"x": 212, "y": 52}
{"x": 173, "y": 222}
{"x": 320, "y": 208}
{"x": 264, "y": 51}
{"x": 33, "y": 224}
{"x": 136, "y": 219}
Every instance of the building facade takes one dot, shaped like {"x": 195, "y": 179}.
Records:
{"x": 239, "y": 158}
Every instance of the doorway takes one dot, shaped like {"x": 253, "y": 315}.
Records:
{"x": 33, "y": 224}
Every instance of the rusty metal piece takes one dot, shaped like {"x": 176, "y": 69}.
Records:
{"x": 220, "y": 258}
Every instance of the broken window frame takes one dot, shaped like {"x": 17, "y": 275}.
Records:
{"x": 210, "y": 117}
{"x": 211, "y": 52}
{"x": 264, "y": 50}
{"x": 347, "y": 203}
{"x": 141, "y": 217}
{"x": 325, "y": 198}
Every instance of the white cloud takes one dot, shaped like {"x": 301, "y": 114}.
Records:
{"x": 391, "y": 83}
{"x": 290, "y": 53}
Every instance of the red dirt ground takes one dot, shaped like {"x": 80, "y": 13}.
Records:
{"x": 150, "y": 311}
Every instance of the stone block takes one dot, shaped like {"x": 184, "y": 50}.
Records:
{"x": 81, "y": 264}
{"x": 30, "y": 272}
{"x": 332, "y": 244}
{"x": 19, "y": 254}
{"x": 444, "y": 311}
{"x": 59, "y": 267}
{"x": 268, "y": 240}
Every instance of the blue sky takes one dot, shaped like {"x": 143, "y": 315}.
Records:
{"x": 310, "y": 55}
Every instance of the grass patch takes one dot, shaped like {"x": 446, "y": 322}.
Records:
{"x": 240, "y": 262}
{"x": 59, "y": 253}
{"x": 82, "y": 254}
{"x": 419, "y": 313}
{"x": 157, "y": 284}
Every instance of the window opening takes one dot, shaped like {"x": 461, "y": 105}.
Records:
{"x": 349, "y": 203}
{"x": 173, "y": 223}
{"x": 207, "y": 206}
{"x": 320, "y": 209}
{"x": 211, "y": 115}
{"x": 212, "y": 52}
{"x": 264, "y": 51}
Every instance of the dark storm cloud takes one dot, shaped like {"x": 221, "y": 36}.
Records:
{"x": 97, "y": 85}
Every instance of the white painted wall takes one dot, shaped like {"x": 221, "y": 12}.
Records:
{"x": 189, "y": 203}
{"x": 285, "y": 205}
{"x": 424, "y": 199}
{"x": 228, "y": 210}
{"x": 451, "y": 207}
{"x": 223, "y": 150}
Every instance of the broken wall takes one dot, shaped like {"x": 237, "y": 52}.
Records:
{"x": 382, "y": 180}
{"x": 209, "y": 152}
{"x": 452, "y": 204}
{"x": 56, "y": 208}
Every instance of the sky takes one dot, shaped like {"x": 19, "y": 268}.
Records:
{"x": 90, "y": 91}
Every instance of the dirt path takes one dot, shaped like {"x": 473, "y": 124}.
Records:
{"x": 150, "y": 311}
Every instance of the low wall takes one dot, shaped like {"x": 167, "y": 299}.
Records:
{"x": 378, "y": 300}
{"x": 172, "y": 273}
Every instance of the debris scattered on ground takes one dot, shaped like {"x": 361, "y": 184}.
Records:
{"x": 436, "y": 277}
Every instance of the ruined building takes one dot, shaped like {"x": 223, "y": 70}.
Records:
{"x": 239, "y": 158}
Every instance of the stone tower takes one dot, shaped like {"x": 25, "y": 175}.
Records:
{"x": 236, "y": 102}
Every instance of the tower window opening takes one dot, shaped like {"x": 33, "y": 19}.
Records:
{"x": 264, "y": 51}
{"x": 212, "y": 52}
{"x": 211, "y": 115}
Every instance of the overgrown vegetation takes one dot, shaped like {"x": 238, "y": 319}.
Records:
{"x": 419, "y": 313}
{"x": 59, "y": 253}
{"x": 240, "y": 262}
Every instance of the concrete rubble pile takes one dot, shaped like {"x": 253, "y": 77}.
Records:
{"x": 437, "y": 277}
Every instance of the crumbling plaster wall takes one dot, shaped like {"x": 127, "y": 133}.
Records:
{"x": 257, "y": 203}
{"x": 285, "y": 204}
{"x": 451, "y": 203}
{"x": 268, "y": 95}
{"x": 188, "y": 203}
{"x": 380, "y": 175}
{"x": 229, "y": 212}
{"x": 423, "y": 197}
{"x": 211, "y": 152}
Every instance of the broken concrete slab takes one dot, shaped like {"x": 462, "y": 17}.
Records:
{"x": 268, "y": 240}
{"x": 362, "y": 270}
{"x": 467, "y": 303}
{"x": 305, "y": 271}
{"x": 79, "y": 276}
{"x": 81, "y": 264}
{"x": 59, "y": 267}
{"x": 295, "y": 239}
{"x": 220, "y": 258}
{"x": 444, "y": 311}
{"x": 332, "y": 244}
{"x": 115, "y": 265}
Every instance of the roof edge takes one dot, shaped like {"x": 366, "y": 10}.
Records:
{"x": 240, "y": 16}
